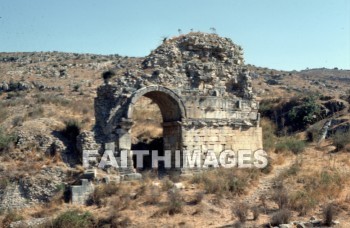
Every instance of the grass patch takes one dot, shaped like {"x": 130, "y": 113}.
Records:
{"x": 73, "y": 219}
{"x": 302, "y": 202}
{"x": 241, "y": 212}
{"x": 290, "y": 144}
{"x": 269, "y": 137}
{"x": 10, "y": 217}
{"x": 226, "y": 181}
{"x": 6, "y": 141}
{"x": 281, "y": 217}
{"x": 341, "y": 140}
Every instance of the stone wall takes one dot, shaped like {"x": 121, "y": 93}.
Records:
{"x": 203, "y": 91}
{"x": 222, "y": 138}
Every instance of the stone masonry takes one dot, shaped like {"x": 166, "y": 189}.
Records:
{"x": 203, "y": 90}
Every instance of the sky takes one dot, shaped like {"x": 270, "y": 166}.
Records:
{"x": 279, "y": 34}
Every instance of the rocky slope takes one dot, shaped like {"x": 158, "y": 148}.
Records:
{"x": 41, "y": 91}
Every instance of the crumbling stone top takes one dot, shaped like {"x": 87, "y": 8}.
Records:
{"x": 201, "y": 63}
{"x": 201, "y": 47}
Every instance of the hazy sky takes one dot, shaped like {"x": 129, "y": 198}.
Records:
{"x": 280, "y": 34}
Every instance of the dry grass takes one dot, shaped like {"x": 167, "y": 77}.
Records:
{"x": 308, "y": 184}
{"x": 226, "y": 181}
{"x": 241, "y": 212}
{"x": 281, "y": 217}
{"x": 103, "y": 192}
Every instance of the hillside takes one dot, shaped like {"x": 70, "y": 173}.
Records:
{"x": 41, "y": 93}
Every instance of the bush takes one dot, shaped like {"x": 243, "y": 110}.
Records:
{"x": 325, "y": 184}
{"x": 153, "y": 195}
{"x": 241, "y": 212}
{"x": 267, "y": 169}
{"x": 175, "y": 202}
{"x": 302, "y": 202}
{"x": 328, "y": 214}
{"x": 293, "y": 115}
{"x": 304, "y": 114}
{"x": 226, "y": 181}
{"x": 18, "y": 121}
{"x": 115, "y": 220}
{"x": 73, "y": 219}
{"x": 341, "y": 140}
{"x": 256, "y": 212}
{"x": 290, "y": 144}
{"x": 281, "y": 217}
{"x": 269, "y": 137}
{"x": 6, "y": 141}
{"x": 4, "y": 182}
{"x": 167, "y": 184}
{"x": 198, "y": 198}
{"x": 280, "y": 197}
{"x": 313, "y": 133}
{"x": 103, "y": 191}
{"x": 36, "y": 112}
{"x": 293, "y": 170}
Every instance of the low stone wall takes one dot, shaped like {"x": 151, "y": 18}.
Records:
{"x": 223, "y": 138}
{"x": 81, "y": 193}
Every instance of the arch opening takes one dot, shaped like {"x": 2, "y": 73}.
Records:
{"x": 156, "y": 116}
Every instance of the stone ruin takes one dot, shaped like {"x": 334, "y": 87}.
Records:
{"x": 203, "y": 90}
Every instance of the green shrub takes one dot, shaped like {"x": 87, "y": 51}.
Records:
{"x": 74, "y": 219}
{"x": 290, "y": 144}
{"x": 304, "y": 114}
{"x": 281, "y": 198}
{"x": 269, "y": 137}
{"x": 326, "y": 184}
{"x": 175, "y": 202}
{"x": 153, "y": 195}
{"x": 4, "y": 182}
{"x": 6, "y": 141}
{"x": 292, "y": 115}
{"x": 226, "y": 181}
{"x": 302, "y": 202}
{"x": 341, "y": 140}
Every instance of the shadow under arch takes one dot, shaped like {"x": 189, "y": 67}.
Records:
{"x": 173, "y": 112}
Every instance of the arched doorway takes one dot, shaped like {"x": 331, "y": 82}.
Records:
{"x": 172, "y": 112}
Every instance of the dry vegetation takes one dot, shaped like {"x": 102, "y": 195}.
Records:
{"x": 313, "y": 182}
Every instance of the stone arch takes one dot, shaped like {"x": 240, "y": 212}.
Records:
{"x": 170, "y": 104}
{"x": 173, "y": 112}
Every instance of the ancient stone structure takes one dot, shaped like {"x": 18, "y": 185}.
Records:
{"x": 202, "y": 88}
